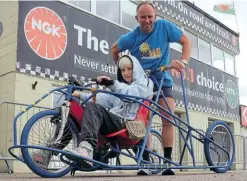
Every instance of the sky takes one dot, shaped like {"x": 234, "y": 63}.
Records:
{"x": 230, "y": 21}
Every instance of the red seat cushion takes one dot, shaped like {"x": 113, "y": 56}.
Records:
{"x": 76, "y": 111}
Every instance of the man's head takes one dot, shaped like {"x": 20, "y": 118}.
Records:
{"x": 125, "y": 65}
{"x": 146, "y": 16}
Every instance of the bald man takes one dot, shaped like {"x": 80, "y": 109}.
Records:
{"x": 150, "y": 44}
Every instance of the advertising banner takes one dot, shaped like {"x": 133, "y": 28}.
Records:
{"x": 243, "y": 112}
{"x": 208, "y": 89}
{"x": 56, "y": 41}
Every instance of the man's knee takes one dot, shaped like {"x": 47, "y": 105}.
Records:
{"x": 168, "y": 120}
{"x": 169, "y": 111}
{"x": 166, "y": 123}
{"x": 167, "y": 116}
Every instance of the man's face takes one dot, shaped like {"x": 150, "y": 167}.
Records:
{"x": 146, "y": 17}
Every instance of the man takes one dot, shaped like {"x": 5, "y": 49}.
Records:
{"x": 149, "y": 43}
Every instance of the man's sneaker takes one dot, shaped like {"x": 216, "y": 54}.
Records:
{"x": 144, "y": 172}
{"x": 42, "y": 158}
{"x": 85, "y": 149}
{"x": 168, "y": 172}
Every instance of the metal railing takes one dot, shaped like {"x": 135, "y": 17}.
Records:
{"x": 8, "y": 110}
{"x": 240, "y": 152}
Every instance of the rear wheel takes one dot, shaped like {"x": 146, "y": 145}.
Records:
{"x": 219, "y": 132}
{"x": 37, "y": 132}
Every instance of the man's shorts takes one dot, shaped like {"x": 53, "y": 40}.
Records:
{"x": 167, "y": 91}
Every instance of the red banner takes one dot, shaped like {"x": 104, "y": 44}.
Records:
{"x": 243, "y": 112}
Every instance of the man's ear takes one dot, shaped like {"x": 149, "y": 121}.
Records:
{"x": 156, "y": 16}
{"x": 136, "y": 17}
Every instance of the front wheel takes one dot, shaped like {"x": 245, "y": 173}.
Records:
{"x": 219, "y": 132}
{"x": 37, "y": 132}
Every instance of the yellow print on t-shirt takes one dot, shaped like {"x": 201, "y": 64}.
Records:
{"x": 147, "y": 53}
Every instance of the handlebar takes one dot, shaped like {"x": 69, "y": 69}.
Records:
{"x": 159, "y": 69}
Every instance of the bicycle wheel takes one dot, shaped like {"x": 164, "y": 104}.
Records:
{"x": 157, "y": 147}
{"x": 219, "y": 132}
{"x": 38, "y": 131}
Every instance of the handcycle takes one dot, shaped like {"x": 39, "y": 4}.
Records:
{"x": 63, "y": 124}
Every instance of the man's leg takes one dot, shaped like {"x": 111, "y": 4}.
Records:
{"x": 168, "y": 130}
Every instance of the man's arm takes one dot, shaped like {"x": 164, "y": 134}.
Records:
{"x": 186, "y": 51}
{"x": 115, "y": 52}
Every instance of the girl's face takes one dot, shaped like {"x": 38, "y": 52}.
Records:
{"x": 127, "y": 73}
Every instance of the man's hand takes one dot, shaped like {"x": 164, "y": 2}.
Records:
{"x": 177, "y": 65}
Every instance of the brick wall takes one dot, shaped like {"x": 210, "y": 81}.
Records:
{"x": 8, "y": 47}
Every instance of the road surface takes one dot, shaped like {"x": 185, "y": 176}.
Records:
{"x": 131, "y": 176}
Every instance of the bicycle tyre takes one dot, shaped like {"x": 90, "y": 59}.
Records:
{"x": 207, "y": 153}
{"x": 24, "y": 141}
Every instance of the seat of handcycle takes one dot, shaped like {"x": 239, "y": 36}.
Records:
{"x": 121, "y": 136}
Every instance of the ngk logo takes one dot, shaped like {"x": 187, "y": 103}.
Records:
{"x": 45, "y": 27}
{"x": 45, "y": 33}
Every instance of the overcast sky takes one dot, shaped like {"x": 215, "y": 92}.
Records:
{"x": 230, "y": 21}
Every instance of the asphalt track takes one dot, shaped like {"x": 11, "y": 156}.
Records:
{"x": 131, "y": 176}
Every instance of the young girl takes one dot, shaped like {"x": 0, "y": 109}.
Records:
{"x": 109, "y": 113}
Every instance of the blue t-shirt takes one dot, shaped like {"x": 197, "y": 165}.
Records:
{"x": 152, "y": 49}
